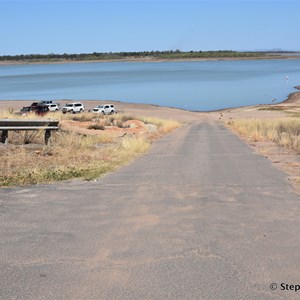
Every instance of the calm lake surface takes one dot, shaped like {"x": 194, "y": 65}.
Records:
{"x": 205, "y": 85}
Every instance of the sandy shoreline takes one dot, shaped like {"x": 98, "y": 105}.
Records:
{"x": 292, "y": 100}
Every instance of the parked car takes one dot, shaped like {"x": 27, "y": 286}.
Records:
{"x": 53, "y": 107}
{"x": 38, "y": 109}
{"x": 106, "y": 109}
{"x": 74, "y": 107}
{"x": 34, "y": 105}
{"x": 41, "y": 110}
{"x": 25, "y": 110}
{"x": 46, "y": 102}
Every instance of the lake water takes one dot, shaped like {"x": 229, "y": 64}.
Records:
{"x": 205, "y": 85}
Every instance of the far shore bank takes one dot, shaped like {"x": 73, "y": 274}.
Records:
{"x": 145, "y": 60}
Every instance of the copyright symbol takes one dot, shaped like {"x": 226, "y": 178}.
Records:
{"x": 273, "y": 286}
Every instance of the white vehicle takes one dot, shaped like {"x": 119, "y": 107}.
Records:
{"x": 53, "y": 107}
{"x": 106, "y": 109}
{"x": 74, "y": 107}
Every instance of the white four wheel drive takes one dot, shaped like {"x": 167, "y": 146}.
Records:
{"x": 75, "y": 107}
{"x": 106, "y": 109}
{"x": 53, "y": 107}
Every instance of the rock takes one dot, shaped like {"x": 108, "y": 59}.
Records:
{"x": 151, "y": 127}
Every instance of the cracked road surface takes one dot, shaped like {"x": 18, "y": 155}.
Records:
{"x": 200, "y": 216}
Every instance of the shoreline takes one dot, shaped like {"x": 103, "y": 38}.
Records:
{"x": 292, "y": 99}
{"x": 144, "y": 60}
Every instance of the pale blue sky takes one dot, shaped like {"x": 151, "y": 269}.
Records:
{"x": 75, "y": 26}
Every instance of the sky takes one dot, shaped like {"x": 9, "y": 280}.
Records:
{"x": 76, "y": 26}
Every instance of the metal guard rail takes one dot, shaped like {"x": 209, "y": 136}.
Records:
{"x": 16, "y": 125}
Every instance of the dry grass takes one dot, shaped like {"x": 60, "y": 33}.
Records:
{"x": 97, "y": 126}
{"x": 284, "y": 132}
{"x": 71, "y": 154}
{"x": 272, "y": 108}
{"x": 164, "y": 126}
{"x": 293, "y": 114}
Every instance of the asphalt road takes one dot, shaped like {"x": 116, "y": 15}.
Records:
{"x": 199, "y": 217}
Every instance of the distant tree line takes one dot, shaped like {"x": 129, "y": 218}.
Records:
{"x": 170, "y": 54}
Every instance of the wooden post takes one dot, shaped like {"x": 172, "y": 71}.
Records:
{"x": 4, "y": 137}
{"x": 47, "y": 136}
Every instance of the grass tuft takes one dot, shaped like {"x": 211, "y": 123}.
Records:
{"x": 97, "y": 126}
{"x": 284, "y": 132}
